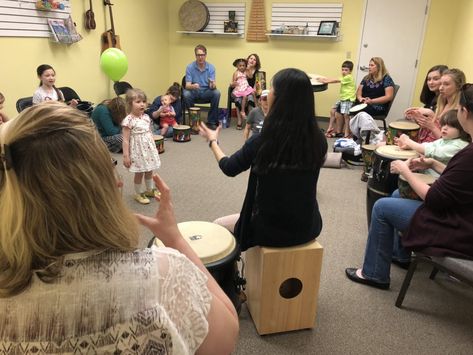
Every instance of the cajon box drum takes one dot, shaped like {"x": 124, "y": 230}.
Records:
{"x": 217, "y": 249}
{"x": 396, "y": 128}
{"x": 181, "y": 133}
{"x": 282, "y": 286}
{"x": 159, "y": 141}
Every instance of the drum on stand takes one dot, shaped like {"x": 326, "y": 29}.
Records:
{"x": 396, "y": 128}
{"x": 406, "y": 191}
{"x": 181, "y": 133}
{"x": 194, "y": 113}
{"x": 382, "y": 182}
{"x": 219, "y": 252}
{"x": 159, "y": 141}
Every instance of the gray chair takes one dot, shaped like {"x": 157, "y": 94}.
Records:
{"x": 461, "y": 269}
{"x": 23, "y": 103}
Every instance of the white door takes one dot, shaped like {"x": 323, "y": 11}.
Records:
{"x": 393, "y": 30}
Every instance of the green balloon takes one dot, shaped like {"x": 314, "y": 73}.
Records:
{"x": 114, "y": 63}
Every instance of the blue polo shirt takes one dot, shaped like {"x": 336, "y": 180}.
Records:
{"x": 195, "y": 75}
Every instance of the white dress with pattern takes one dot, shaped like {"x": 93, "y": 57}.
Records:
{"x": 143, "y": 153}
{"x": 151, "y": 301}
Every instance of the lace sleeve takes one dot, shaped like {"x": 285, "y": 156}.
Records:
{"x": 185, "y": 296}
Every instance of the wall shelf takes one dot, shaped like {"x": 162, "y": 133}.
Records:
{"x": 307, "y": 37}
{"x": 209, "y": 33}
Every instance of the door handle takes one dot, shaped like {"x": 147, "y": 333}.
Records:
{"x": 362, "y": 67}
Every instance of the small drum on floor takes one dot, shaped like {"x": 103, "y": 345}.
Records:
{"x": 382, "y": 182}
{"x": 397, "y": 128}
{"x": 181, "y": 133}
{"x": 194, "y": 113}
{"x": 218, "y": 251}
{"x": 406, "y": 191}
{"x": 159, "y": 141}
{"x": 367, "y": 151}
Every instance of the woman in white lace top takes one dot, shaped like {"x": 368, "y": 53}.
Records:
{"x": 71, "y": 277}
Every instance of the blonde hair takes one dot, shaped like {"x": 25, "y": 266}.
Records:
{"x": 381, "y": 72}
{"x": 131, "y": 95}
{"x": 459, "y": 79}
{"x": 58, "y": 196}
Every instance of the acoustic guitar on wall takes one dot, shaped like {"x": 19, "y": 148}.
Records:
{"x": 90, "y": 18}
{"x": 109, "y": 38}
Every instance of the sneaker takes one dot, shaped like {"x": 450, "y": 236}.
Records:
{"x": 141, "y": 198}
{"x": 152, "y": 193}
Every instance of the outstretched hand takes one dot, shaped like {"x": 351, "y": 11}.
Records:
{"x": 163, "y": 225}
{"x": 208, "y": 133}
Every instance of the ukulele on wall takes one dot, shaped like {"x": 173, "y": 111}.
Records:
{"x": 109, "y": 38}
{"x": 90, "y": 18}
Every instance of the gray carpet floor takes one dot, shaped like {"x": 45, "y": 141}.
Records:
{"x": 437, "y": 317}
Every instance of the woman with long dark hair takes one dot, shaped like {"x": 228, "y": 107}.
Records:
{"x": 280, "y": 207}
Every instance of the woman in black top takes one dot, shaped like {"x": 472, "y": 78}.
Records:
{"x": 280, "y": 207}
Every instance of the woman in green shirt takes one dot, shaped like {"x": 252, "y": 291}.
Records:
{"x": 107, "y": 117}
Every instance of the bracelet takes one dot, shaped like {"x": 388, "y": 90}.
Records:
{"x": 211, "y": 141}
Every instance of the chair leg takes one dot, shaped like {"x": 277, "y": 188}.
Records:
{"x": 384, "y": 126}
{"x": 406, "y": 283}
{"x": 433, "y": 273}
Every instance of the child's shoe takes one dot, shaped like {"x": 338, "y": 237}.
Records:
{"x": 141, "y": 198}
{"x": 152, "y": 193}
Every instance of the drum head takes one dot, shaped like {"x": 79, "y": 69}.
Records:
{"x": 371, "y": 147}
{"x": 428, "y": 179}
{"x": 394, "y": 152}
{"x": 194, "y": 108}
{"x": 194, "y": 16}
{"x": 404, "y": 125}
{"x": 157, "y": 137}
{"x": 181, "y": 127}
{"x": 210, "y": 241}
{"x": 357, "y": 108}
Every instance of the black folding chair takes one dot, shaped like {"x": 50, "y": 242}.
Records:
{"x": 23, "y": 103}
{"x": 121, "y": 87}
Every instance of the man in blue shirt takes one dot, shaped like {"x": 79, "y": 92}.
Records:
{"x": 200, "y": 85}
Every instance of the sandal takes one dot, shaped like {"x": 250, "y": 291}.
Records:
{"x": 239, "y": 127}
{"x": 329, "y": 133}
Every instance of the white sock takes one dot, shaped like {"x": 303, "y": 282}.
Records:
{"x": 149, "y": 184}
{"x": 138, "y": 189}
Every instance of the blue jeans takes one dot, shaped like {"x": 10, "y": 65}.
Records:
{"x": 389, "y": 214}
{"x": 201, "y": 96}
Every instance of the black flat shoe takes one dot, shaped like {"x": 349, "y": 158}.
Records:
{"x": 351, "y": 274}
{"x": 402, "y": 264}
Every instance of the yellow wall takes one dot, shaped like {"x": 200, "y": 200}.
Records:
{"x": 142, "y": 27}
{"x": 157, "y": 55}
{"x": 461, "y": 50}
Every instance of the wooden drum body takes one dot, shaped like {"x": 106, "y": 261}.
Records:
{"x": 382, "y": 182}
{"x": 194, "y": 113}
{"x": 397, "y": 128}
{"x": 219, "y": 252}
{"x": 367, "y": 152}
{"x": 159, "y": 141}
{"x": 181, "y": 133}
{"x": 406, "y": 191}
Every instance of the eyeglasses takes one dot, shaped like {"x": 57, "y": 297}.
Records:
{"x": 264, "y": 98}
{"x": 201, "y": 54}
